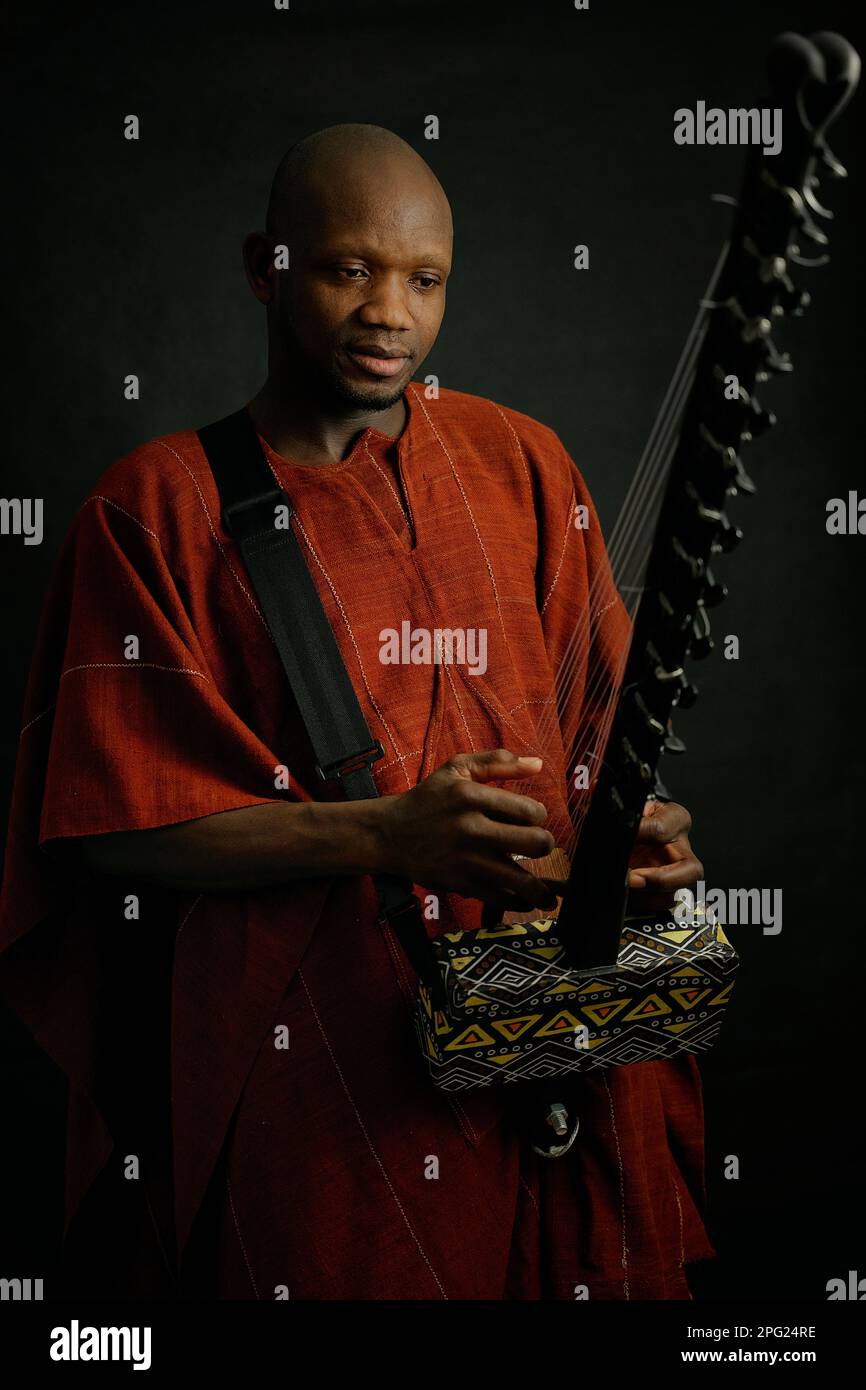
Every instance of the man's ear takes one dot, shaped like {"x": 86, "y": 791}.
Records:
{"x": 258, "y": 254}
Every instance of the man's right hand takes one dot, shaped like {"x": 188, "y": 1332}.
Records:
{"x": 455, "y": 832}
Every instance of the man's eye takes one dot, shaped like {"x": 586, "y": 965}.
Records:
{"x": 350, "y": 270}
{"x": 431, "y": 281}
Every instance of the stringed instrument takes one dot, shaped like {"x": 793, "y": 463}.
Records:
{"x": 777, "y": 225}
{"x": 589, "y": 987}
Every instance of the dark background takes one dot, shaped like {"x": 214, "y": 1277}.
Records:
{"x": 556, "y": 128}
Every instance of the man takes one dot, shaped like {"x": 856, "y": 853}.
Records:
{"x": 174, "y": 870}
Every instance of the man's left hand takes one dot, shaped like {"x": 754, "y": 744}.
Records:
{"x": 662, "y": 860}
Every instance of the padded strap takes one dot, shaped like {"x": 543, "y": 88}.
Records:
{"x": 342, "y": 743}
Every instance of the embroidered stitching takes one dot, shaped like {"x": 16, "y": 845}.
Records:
{"x": 460, "y": 708}
{"x": 516, "y": 438}
{"x": 680, "y": 1210}
{"x": 531, "y": 1194}
{"x": 470, "y": 513}
{"x": 463, "y": 1117}
{"x": 621, "y": 1185}
{"x": 401, "y": 758}
{"x": 500, "y": 714}
{"x": 131, "y": 666}
{"x": 187, "y": 917}
{"x": 379, "y": 469}
{"x": 568, "y": 527}
{"x": 36, "y": 718}
{"x": 99, "y": 497}
{"x": 548, "y": 700}
{"x": 366, "y": 1135}
{"x": 247, "y": 595}
{"x": 240, "y": 1238}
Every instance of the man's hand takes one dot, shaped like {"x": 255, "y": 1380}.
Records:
{"x": 456, "y": 833}
{"x": 662, "y": 860}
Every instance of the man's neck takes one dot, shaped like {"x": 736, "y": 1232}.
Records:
{"x": 314, "y": 436}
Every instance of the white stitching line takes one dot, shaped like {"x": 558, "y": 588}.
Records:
{"x": 531, "y": 1194}
{"x": 187, "y": 917}
{"x": 100, "y": 497}
{"x": 240, "y": 1237}
{"x": 132, "y": 666}
{"x": 367, "y": 1136}
{"x": 680, "y": 1210}
{"x": 247, "y": 595}
{"x": 463, "y": 1117}
{"x": 568, "y": 528}
{"x": 500, "y": 714}
{"x": 401, "y": 758}
{"x": 380, "y": 469}
{"x": 524, "y": 704}
{"x": 621, "y": 1186}
{"x": 602, "y": 611}
{"x": 471, "y": 514}
{"x": 36, "y": 718}
{"x": 516, "y": 438}
{"x": 345, "y": 618}
{"x": 110, "y": 666}
{"x": 459, "y": 707}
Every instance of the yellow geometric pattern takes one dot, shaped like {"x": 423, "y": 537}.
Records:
{"x": 516, "y": 1010}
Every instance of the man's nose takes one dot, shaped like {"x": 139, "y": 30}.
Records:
{"x": 387, "y": 303}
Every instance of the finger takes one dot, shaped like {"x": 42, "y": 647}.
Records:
{"x": 496, "y": 877}
{"x": 508, "y": 807}
{"x": 666, "y": 822}
{"x": 494, "y": 765}
{"x": 684, "y": 873}
{"x": 530, "y": 842}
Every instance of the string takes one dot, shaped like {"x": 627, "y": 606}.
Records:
{"x": 626, "y": 559}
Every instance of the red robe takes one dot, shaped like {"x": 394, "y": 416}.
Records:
{"x": 309, "y": 1167}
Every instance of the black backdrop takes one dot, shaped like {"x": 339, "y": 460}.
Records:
{"x": 556, "y": 128}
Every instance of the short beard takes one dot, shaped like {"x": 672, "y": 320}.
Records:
{"x": 327, "y": 386}
{"x": 358, "y": 396}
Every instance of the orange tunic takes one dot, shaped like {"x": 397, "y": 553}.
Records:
{"x": 309, "y": 1167}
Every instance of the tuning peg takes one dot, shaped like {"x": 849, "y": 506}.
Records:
{"x": 812, "y": 231}
{"x": 672, "y": 744}
{"x": 831, "y": 163}
{"x": 809, "y": 195}
{"x": 729, "y": 536}
{"x": 775, "y": 361}
{"x": 791, "y": 300}
{"x": 738, "y": 478}
{"x": 701, "y": 643}
{"x": 714, "y": 592}
{"x": 687, "y": 694}
{"x": 808, "y": 262}
{"x": 758, "y": 420}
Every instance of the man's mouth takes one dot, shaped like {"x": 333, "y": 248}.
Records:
{"x": 376, "y": 361}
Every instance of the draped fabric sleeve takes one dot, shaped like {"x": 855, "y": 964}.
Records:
{"x": 127, "y": 727}
{"x": 140, "y": 734}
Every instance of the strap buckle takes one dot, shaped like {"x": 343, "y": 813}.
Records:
{"x": 353, "y": 762}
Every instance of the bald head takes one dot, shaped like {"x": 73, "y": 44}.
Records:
{"x": 351, "y": 161}
{"x": 369, "y": 236}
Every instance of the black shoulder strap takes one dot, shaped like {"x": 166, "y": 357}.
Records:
{"x": 342, "y": 743}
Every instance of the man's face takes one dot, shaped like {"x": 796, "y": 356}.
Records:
{"x": 360, "y": 306}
